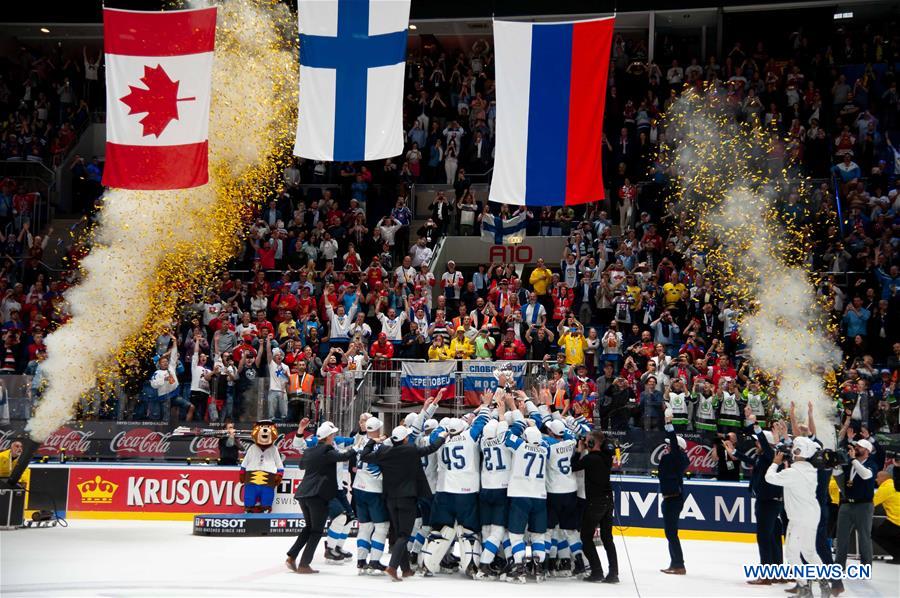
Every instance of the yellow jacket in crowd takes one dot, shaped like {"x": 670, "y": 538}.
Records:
{"x": 834, "y": 492}
{"x": 463, "y": 346}
{"x": 574, "y": 346}
{"x": 888, "y": 496}
{"x": 540, "y": 280}
{"x": 441, "y": 353}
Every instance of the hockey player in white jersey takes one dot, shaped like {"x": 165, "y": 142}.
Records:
{"x": 456, "y": 499}
{"x": 493, "y": 505}
{"x": 527, "y": 493}
{"x": 370, "y": 510}
{"x": 563, "y": 519}
{"x": 422, "y": 526}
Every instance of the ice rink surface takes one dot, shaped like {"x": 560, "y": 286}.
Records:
{"x": 155, "y": 558}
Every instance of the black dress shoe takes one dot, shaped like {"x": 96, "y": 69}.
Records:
{"x": 595, "y": 577}
{"x": 611, "y": 578}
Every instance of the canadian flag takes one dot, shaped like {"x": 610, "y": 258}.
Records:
{"x": 158, "y": 79}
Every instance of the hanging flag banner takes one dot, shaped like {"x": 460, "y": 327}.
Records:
{"x": 418, "y": 381}
{"x": 498, "y": 231}
{"x": 158, "y": 88}
{"x": 478, "y": 376}
{"x": 352, "y": 62}
{"x": 551, "y": 91}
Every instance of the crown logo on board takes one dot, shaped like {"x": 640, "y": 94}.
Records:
{"x": 97, "y": 491}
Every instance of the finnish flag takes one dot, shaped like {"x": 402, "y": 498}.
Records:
{"x": 352, "y": 61}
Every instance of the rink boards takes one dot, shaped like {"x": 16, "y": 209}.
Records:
{"x": 713, "y": 510}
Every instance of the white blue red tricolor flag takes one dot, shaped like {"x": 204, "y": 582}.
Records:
{"x": 419, "y": 381}
{"x": 551, "y": 90}
{"x": 158, "y": 89}
{"x": 352, "y": 61}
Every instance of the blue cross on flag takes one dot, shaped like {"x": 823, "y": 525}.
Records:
{"x": 498, "y": 231}
{"x": 352, "y": 61}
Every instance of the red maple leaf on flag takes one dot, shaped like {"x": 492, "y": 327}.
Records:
{"x": 159, "y": 100}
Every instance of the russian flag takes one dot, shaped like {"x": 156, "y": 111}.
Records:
{"x": 551, "y": 91}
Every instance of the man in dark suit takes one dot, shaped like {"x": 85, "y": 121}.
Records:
{"x": 319, "y": 486}
{"x": 672, "y": 465}
{"x": 404, "y": 482}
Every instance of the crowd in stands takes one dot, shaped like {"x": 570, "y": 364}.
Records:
{"x": 44, "y": 102}
{"x": 44, "y": 99}
{"x": 339, "y": 276}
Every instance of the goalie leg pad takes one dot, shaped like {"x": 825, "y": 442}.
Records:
{"x": 469, "y": 549}
{"x": 437, "y": 546}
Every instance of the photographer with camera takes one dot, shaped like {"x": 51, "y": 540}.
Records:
{"x": 856, "y": 510}
{"x": 594, "y": 456}
{"x": 799, "y": 480}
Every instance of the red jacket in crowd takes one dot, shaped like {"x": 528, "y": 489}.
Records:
{"x": 509, "y": 350}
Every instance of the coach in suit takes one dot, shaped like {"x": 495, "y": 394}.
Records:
{"x": 404, "y": 482}
{"x": 319, "y": 486}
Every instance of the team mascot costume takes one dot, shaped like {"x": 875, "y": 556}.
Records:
{"x": 261, "y": 469}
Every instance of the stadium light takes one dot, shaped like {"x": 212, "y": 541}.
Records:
{"x": 842, "y": 15}
{"x": 412, "y": 27}
{"x": 44, "y": 30}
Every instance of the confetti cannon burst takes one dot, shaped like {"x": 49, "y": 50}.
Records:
{"x": 152, "y": 251}
{"x": 729, "y": 179}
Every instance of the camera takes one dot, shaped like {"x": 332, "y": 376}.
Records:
{"x": 830, "y": 458}
{"x": 786, "y": 451}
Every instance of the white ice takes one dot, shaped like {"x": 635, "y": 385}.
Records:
{"x": 155, "y": 558}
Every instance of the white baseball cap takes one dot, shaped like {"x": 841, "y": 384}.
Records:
{"x": 400, "y": 433}
{"x": 533, "y": 435}
{"x": 455, "y": 425}
{"x": 325, "y": 430}
{"x": 556, "y": 427}
{"x": 410, "y": 419}
{"x": 866, "y": 445}
{"x": 373, "y": 424}
{"x": 490, "y": 429}
{"x": 430, "y": 424}
{"x": 804, "y": 447}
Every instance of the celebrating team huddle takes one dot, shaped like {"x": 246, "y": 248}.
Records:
{"x": 495, "y": 483}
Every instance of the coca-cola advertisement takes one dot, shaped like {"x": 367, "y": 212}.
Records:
{"x": 137, "y": 441}
{"x": 69, "y": 441}
{"x": 141, "y": 442}
{"x": 640, "y": 451}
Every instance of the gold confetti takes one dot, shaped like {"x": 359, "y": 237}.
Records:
{"x": 154, "y": 252}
